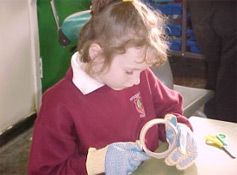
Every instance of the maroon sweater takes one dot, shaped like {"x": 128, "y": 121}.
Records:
{"x": 70, "y": 122}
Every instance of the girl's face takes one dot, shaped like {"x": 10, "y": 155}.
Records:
{"x": 125, "y": 69}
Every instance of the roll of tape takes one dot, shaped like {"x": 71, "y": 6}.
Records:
{"x": 143, "y": 132}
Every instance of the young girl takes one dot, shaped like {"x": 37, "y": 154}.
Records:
{"x": 89, "y": 121}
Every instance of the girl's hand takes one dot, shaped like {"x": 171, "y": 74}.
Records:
{"x": 186, "y": 152}
{"x": 123, "y": 158}
{"x": 117, "y": 158}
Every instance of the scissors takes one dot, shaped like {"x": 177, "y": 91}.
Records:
{"x": 219, "y": 140}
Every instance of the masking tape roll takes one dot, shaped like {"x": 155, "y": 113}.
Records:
{"x": 144, "y": 130}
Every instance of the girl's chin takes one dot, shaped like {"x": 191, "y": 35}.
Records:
{"x": 120, "y": 88}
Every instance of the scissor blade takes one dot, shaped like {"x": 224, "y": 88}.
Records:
{"x": 228, "y": 151}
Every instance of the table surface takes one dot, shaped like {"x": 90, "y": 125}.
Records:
{"x": 211, "y": 160}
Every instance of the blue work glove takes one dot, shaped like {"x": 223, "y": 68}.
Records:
{"x": 186, "y": 152}
{"x": 123, "y": 158}
{"x": 117, "y": 158}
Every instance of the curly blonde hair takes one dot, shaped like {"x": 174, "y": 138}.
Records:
{"x": 119, "y": 25}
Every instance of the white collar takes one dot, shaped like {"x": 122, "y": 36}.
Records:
{"x": 81, "y": 79}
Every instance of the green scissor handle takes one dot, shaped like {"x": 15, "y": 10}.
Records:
{"x": 221, "y": 138}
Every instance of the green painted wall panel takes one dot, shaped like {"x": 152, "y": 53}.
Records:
{"x": 55, "y": 58}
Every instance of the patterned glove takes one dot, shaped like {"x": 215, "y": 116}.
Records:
{"x": 117, "y": 158}
{"x": 185, "y": 153}
{"x": 123, "y": 158}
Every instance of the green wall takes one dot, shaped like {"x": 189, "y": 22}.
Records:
{"x": 55, "y": 58}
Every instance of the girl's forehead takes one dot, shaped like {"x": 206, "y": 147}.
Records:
{"x": 140, "y": 55}
{"x": 139, "y": 52}
{"x": 133, "y": 58}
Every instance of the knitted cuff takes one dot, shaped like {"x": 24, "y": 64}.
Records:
{"x": 95, "y": 161}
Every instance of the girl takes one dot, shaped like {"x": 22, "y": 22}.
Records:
{"x": 89, "y": 121}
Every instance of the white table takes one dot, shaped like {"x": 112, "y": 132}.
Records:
{"x": 211, "y": 160}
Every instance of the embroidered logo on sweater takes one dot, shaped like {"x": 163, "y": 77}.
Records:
{"x": 137, "y": 100}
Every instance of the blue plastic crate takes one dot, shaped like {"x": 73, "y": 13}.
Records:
{"x": 193, "y": 47}
{"x": 169, "y": 8}
{"x": 173, "y": 30}
{"x": 190, "y": 35}
{"x": 175, "y": 44}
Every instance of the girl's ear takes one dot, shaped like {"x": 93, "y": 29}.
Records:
{"x": 94, "y": 50}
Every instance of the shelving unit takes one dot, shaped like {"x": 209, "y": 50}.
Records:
{"x": 183, "y": 51}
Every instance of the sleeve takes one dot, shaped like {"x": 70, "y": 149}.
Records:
{"x": 166, "y": 101}
{"x": 54, "y": 148}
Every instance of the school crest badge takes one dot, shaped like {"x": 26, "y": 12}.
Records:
{"x": 137, "y": 100}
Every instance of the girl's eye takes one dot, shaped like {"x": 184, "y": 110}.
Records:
{"x": 129, "y": 72}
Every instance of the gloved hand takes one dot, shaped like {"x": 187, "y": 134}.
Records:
{"x": 123, "y": 158}
{"x": 186, "y": 152}
{"x": 119, "y": 158}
